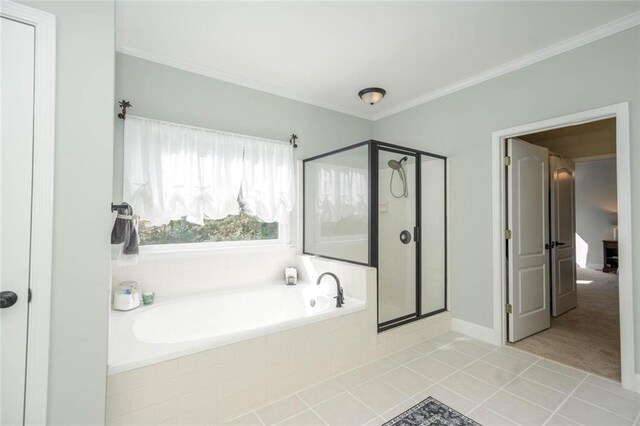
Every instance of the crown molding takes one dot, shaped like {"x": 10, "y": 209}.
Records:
{"x": 252, "y": 84}
{"x": 580, "y": 40}
{"x": 590, "y": 36}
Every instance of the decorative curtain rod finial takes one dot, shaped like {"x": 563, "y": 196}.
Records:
{"x": 124, "y": 104}
{"x": 292, "y": 140}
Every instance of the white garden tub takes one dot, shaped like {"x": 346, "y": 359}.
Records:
{"x": 188, "y": 325}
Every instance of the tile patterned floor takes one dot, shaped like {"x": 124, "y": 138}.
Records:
{"x": 494, "y": 386}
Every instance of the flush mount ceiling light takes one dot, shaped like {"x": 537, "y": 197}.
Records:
{"x": 372, "y": 95}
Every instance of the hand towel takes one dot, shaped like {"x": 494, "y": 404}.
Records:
{"x": 125, "y": 230}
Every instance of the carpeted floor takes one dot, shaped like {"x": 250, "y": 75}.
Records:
{"x": 587, "y": 337}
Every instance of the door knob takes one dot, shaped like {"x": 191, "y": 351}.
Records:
{"x": 7, "y": 299}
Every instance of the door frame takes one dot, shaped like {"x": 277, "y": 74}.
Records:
{"x": 630, "y": 380}
{"x": 40, "y": 270}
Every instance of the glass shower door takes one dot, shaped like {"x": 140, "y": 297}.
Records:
{"x": 397, "y": 248}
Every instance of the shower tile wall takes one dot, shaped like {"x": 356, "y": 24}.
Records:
{"x": 218, "y": 384}
{"x": 176, "y": 275}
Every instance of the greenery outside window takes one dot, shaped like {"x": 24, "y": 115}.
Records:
{"x": 240, "y": 227}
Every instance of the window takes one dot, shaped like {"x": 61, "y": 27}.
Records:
{"x": 190, "y": 185}
{"x": 240, "y": 227}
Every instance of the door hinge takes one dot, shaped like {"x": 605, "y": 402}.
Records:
{"x": 508, "y": 308}
{"x": 29, "y": 297}
{"x": 507, "y": 234}
{"x": 507, "y": 160}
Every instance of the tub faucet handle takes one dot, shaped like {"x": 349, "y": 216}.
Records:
{"x": 339, "y": 298}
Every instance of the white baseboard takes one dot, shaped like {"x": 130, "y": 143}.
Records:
{"x": 476, "y": 331}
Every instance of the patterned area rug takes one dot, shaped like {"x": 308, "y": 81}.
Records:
{"x": 433, "y": 413}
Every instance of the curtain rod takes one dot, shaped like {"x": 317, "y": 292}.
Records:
{"x": 124, "y": 104}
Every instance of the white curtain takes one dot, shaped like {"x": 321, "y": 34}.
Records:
{"x": 267, "y": 183}
{"x": 342, "y": 192}
{"x": 173, "y": 171}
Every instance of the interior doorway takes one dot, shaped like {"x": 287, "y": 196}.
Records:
{"x": 625, "y": 252}
{"x": 562, "y": 258}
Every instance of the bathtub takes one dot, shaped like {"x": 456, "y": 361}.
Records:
{"x": 184, "y": 326}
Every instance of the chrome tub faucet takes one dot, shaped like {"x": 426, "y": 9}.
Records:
{"x": 340, "y": 297}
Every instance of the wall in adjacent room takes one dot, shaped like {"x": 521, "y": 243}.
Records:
{"x": 459, "y": 126}
{"x": 81, "y": 220}
{"x": 596, "y": 202}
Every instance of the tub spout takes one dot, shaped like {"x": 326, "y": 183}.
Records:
{"x": 340, "y": 297}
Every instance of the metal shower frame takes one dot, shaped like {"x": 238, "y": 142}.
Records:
{"x": 374, "y": 147}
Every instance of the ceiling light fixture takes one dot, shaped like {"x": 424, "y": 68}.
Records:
{"x": 372, "y": 95}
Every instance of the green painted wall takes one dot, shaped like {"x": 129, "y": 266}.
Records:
{"x": 459, "y": 126}
{"x": 82, "y": 220}
{"x": 165, "y": 93}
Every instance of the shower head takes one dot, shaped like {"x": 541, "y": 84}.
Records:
{"x": 396, "y": 165}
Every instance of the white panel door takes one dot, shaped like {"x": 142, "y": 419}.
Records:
{"x": 16, "y": 153}
{"x": 528, "y": 249}
{"x": 564, "y": 293}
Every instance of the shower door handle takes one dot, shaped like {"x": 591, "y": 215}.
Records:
{"x": 405, "y": 237}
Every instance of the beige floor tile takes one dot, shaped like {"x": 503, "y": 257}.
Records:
{"x": 507, "y": 362}
{"x": 430, "y": 368}
{"x": 517, "y": 409}
{"x": 590, "y": 415}
{"x": 406, "y": 381}
{"x": 306, "y": 418}
{"x": 426, "y": 347}
{"x": 398, "y": 409}
{"x": 380, "y": 366}
{"x": 517, "y": 353}
{"x": 404, "y": 356}
{"x": 452, "y": 357}
{"x": 448, "y": 337}
{"x": 470, "y": 348}
{"x": 469, "y": 387}
{"x": 562, "y": 369}
{"x": 489, "y": 373}
{"x": 321, "y": 392}
{"x": 375, "y": 422}
{"x": 489, "y": 418}
{"x": 550, "y": 378}
{"x": 280, "y": 410}
{"x": 595, "y": 395}
{"x": 558, "y": 420}
{"x": 355, "y": 377}
{"x": 612, "y": 386}
{"x": 536, "y": 393}
{"x": 378, "y": 396}
{"x": 344, "y": 410}
{"x": 247, "y": 420}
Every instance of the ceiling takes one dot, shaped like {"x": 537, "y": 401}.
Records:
{"x": 594, "y": 139}
{"x": 323, "y": 53}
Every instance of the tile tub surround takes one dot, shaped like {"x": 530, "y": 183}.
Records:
{"x": 218, "y": 384}
{"x": 542, "y": 392}
{"x": 179, "y": 274}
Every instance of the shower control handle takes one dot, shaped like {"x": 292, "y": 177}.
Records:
{"x": 405, "y": 237}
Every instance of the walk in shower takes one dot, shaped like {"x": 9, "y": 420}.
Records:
{"x": 384, "y": 206}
